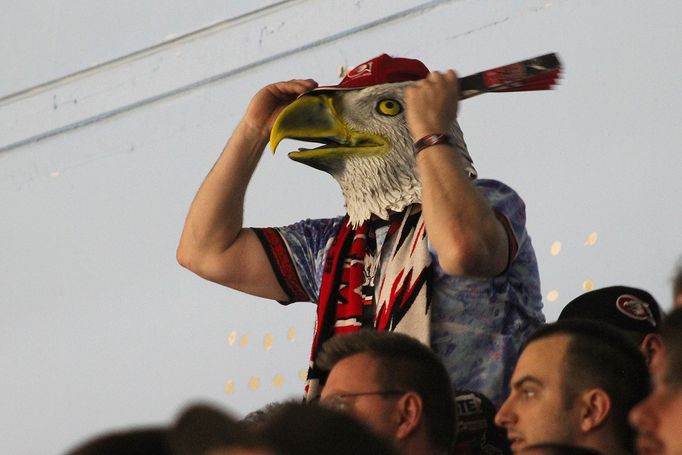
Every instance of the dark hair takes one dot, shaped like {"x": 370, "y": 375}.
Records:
{"x": 139, "y": 441}
{"x": 199, "y": 429}
{"x": 407, "y": 364}
{"x": 671, "y": 334}
{"x": 600, "y": 356}
{"x": 561, "y": 449}
{"x": 254, "y": 419}
{"x": 298, "y": 429}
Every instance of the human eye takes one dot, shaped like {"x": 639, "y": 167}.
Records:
{"x": 335, "y": 402}
{"x": 528, "y": 393}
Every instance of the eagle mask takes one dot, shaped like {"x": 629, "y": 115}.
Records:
{"x": 367, "y": 147}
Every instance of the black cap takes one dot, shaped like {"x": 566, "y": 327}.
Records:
{"x": 623, "y": 307}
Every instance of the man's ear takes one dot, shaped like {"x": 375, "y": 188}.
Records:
{"x": 595, "y": 409}
{"x": 410, "y": 407}
{"x": 652, "y": 347}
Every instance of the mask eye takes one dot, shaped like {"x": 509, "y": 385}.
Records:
{"x": 389, "y": 107}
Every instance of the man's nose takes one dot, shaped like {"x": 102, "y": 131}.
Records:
{"x": 505, "y": 415}
{"x": 641, "y": 417}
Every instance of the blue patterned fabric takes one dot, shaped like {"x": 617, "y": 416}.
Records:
{"x": 477, "y": 324}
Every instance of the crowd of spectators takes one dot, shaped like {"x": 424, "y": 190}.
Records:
{"x": 606, "y": 378}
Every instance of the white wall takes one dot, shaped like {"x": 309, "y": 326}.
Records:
{"x": 101, "y": 328}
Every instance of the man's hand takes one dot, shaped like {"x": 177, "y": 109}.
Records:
{"x": 431, "y": 104}
{"x": 266, "y": 105}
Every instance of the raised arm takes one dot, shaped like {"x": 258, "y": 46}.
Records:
{"x": 214, "y": 244}
{"x": 462, "y": 226}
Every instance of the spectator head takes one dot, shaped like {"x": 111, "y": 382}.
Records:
{"x": 658, "y": 419}
{"x": 574, "y": 383}
{"x": 477, "y": 433}
{"x": 255, "y": 419}
{"x": 205, "y": 430}
{"x": 138, "y": 441}
{"x": 298, "y": 429}
{"x": 558, "y": 449}
{"x": 633, "y": 311}
{"x": 393, "y": 383}
{"x": 199, "y": 430}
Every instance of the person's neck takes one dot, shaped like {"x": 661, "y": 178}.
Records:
{"x": 423, "y": 451}
{"x": 605, "y": 443}
{"x": 420, "y": 446}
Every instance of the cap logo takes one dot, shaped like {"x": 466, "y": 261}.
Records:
{"x": 634, "y": 308}
{"x": 364, "y": 69}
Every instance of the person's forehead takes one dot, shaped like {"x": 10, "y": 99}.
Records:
{"x": 542, "y": 358}
{"x": 352, "y": 372}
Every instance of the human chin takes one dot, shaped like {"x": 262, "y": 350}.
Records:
{"x": 648, "y": 445}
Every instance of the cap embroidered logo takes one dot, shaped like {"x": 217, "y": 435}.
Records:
{"x": 634, "y": 308}
{"x": 364, "y": 69}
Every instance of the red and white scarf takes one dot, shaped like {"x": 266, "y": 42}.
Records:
{"x": 349, "y": 300}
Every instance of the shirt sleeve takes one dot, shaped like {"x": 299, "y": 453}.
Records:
{"x": 296, "y": 253}
{"x": 509, "y": 209}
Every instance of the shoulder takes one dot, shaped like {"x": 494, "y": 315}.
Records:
{"x": 504, "y": 199}
{"x": 310, "y": 226}
{"x": 310, "y": 235}
{"x": 495, "y": 188}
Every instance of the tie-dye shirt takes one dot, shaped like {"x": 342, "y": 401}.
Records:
{"x": 477, "y": 324}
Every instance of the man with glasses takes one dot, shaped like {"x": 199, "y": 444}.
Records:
{"x": 394, "y": 384}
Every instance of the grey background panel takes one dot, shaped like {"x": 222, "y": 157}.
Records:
{"x": 47, "y": 40}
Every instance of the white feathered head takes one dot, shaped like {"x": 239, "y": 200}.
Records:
{"x": 367, "y": 146}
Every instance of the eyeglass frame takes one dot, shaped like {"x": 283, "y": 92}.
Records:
{"x": 339, "y": 405}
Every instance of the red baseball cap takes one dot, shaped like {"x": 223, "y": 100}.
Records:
{"x": 381, "y": 70}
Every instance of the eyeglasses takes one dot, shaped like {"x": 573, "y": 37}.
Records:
{"x": 341, "y": 401}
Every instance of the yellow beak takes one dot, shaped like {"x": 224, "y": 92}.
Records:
{"x": 315, "y": 118}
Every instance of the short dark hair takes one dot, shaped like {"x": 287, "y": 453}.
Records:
{"x": 407, "y": 364}
{"x": 561, "y": 449}
{"x": 254, "y": 419}
{"x": 299, "y": 429}
{"x": 202, "y": 427}
{"x": 138, "y": 441}
{"x": 598, "y": 355}
{"x": 198, "y": 429}
{"x": 671, "y": 334}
